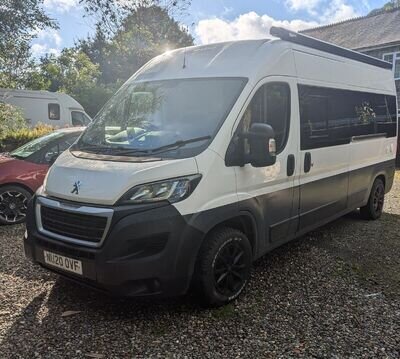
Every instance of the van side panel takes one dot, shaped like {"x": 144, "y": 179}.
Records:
{"x": 329, "y": 69}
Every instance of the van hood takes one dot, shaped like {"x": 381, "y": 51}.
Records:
{"x": 105, "y": 182}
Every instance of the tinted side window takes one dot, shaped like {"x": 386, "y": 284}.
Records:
{"x": 314, "y": 110}
{"x": 331, "y": 117}
{"x": 390, "y": 126}
{"x": 270, "y": 105}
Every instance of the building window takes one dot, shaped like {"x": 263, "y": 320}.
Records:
{"x": 394, "y": 59}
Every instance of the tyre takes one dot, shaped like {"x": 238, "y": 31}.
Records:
{"x": 13, "y": 204}
{"x": 223, "y": 266}
{"x": 374, "y": 208}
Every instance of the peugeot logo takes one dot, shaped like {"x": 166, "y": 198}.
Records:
{"x": 76, "y": 187}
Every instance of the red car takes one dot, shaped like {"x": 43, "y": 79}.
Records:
{"x": 22, "y": 171}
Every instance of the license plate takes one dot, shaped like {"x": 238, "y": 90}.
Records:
{"x": 65, "y": 263}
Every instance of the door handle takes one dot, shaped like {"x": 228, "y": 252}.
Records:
{"x": 290, "y": 165}
{"x": 307, "y": 162}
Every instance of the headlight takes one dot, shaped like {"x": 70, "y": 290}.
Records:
{"x": 172, "y": 190}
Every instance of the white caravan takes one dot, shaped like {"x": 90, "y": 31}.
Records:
{"x": 51, "y": 108}
{"x": 224, "y": 152}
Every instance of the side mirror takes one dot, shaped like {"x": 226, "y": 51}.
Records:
{"x": 261, "y": 139}
{"x": 257, "y": 147}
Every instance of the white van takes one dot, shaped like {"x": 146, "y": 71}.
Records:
{"x": 51, "y": 108}
{"x": 224, "y": 152}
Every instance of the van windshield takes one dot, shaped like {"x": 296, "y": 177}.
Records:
{"x": 177, "y": 118}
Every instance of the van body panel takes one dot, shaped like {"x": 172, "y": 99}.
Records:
{"x": 323, "y": 190}
{"x": 270, "y": 204}
{"x": 330, "y": 69}
{"x": 218, "y": 182}
{"x": 105, "y": 182}
{"x": 34, "y": 106}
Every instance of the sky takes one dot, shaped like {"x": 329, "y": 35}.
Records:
{"x": 212, "y": 20}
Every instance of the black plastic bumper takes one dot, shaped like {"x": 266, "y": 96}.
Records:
{"x": 149, "y": 250}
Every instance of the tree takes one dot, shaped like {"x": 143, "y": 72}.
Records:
{"x": 145, "y": 33}
{"x": 19, "y": 18}
{"x": 110, "y": 13}
{"x": 387, "y": 7}
{"x": 74, "y": 73}
{"x": 11, "y": 120}
{"x": 19, "y": 22}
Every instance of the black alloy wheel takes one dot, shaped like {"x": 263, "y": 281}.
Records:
{"x": 13, "y": 204}
{"x": 229, "y": 269}
{"x": 374, "y": 208}
{"x": 223, "y": 266}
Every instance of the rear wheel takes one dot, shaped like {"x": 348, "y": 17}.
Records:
{"x": 374, "y": 208}
{"x": 223, "y": 266}
{"x": 13, "y": 204}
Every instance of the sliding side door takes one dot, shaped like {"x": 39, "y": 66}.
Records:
{"x": 324, "y": 156}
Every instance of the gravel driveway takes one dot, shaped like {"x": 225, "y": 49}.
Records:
{"x": 334, "y": 293}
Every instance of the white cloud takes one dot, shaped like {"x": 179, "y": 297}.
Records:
{"x": 338, "y": 10}
{"x": 326, "y": 11}
{"x": 47, "y": 42}
{"x": 60, "y": 5}
{"x": 308, "y": 5}
{"x": 246, "y": 26}
{"x": 43, "y": 49}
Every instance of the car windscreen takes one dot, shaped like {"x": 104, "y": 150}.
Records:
{"x": 36, "y": 145}
{"x": 176, "y": 117}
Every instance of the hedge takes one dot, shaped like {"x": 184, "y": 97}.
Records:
{"x": 21, "y": 136}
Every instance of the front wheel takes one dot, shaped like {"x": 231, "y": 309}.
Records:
{"x": 223, "y": 266}
{"x": 13, "y": 204}
{"x": 374, "y": 208}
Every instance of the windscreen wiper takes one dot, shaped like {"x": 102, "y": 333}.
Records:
{"x": 161, "y": 149}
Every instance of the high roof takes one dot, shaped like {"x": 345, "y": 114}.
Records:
{"x": 369, "y": 31}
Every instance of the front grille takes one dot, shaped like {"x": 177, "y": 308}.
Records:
{"x": 84, "y": 227}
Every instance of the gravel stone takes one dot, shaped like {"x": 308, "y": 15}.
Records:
{"x": 334, "y": 293}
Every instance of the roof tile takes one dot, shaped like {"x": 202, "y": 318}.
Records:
{"x": 363, "y": 32}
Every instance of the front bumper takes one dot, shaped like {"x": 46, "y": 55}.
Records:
{"x": 149, "y": 250}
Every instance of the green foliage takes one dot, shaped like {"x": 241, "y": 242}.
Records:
{"x": 112, "y": 12}
{"x": 75, "y": 74}
{"x": 19, "y": 22}
{"x": 97, "y": 67}
{"x": 92, "y": 70}
{"x": 387, "y": 7}
{"x": 21, "y": 136}
{"x": 92, "y": 99}
{"x": 18, "y": 18}
{"x": 11, "y": 120}
{"x": 145, "y": 33}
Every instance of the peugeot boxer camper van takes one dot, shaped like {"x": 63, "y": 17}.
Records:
{"x": 51, "y": 108}
{"x": 223, "y": 152}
